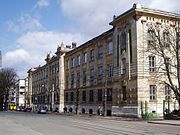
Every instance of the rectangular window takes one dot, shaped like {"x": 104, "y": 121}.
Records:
{"x": 167, "y": 64}
{"x": 110, "y": 48}
{"x": 123, "y": 66}
{"x": 72, "y": 96}
{"x": 123, "y": 42}
{"x": 110, "y": 70}
{"x": 117, "y": 50}
{"x": 100, "y": 76}
{"x": 68, "y": 64}
{"x": 124, "y": 92}
{"x": 99, "y": 95}
{"x": 166, "y": 39}
{"x": 73, "y": 62}
{"x": 78, "y": 77}
{"x": 167, "y": 93}
{"x": 66, "y": 96}
{"x": 151, "y": 63}
{"x": 85, "y": 57}
{"x": 84, "y": 96}
{"x": 92, "y": 74}
{"x": 85, "y": 77}
{"x": 67, "y": 81}
{"x": 152, "y": 92}
{"x": 109, "y": 94}
{"x": 92, "y": 54}
{"x": 72, "y": 80}
{"x": 91, "y": 95}
{"x": 130, "y": 45}
{"x": 100, "y": 51}
{"x": 79, "y": 60}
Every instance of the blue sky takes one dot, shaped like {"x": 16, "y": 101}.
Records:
{"x": 29, "y": 29}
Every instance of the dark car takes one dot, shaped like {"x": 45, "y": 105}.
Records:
{"x": 28, "y": 109}
{"x": 22, "y": 109}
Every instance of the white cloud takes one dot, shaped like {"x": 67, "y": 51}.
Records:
{"x": 42, "y": 3}
{"x": 24, "y": 23}
{"x": 93, "y": 16}
{"x": 166, "y": 5}
{"x": 34, "y": 47}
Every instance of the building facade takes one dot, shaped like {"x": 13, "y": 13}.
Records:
{"x": 21, "y": 92}
{"x": 114, "y": 73}
{"x": 46, "y": 83}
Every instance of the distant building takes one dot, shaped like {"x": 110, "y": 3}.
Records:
{"x": 46, "y": 83}
{"x": 21, "y": 92}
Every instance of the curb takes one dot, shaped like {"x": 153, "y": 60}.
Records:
{"x": 164, "y": 123}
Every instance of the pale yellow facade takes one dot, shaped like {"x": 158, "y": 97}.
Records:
{"x": 132, "y": 82}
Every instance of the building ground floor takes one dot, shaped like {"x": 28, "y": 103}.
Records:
{"x": 121, "y": 98}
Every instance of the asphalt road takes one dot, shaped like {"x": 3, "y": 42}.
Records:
{"x": 26, "y": 123}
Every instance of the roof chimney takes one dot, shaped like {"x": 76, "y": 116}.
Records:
{"x": 114, "y": 17}
{"x": 73, "y": 45}
{"x": 137, "y": 5}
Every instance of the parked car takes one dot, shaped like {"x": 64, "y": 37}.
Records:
{"x": 22, "y": 109}
{"x": 42, "y": 110}
{"x": 17, "y": 108}
{"x": 28, "y": 109}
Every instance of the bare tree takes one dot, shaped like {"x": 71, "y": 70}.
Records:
{"x": 164, "y": 43}
{"x": 7, "y": 79}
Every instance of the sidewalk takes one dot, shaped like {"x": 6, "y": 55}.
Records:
{"x": 153, "y": 121}
{"x": 166, "y": 122}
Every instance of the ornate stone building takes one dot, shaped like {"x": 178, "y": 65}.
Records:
{"x": 115, "y": 71}
{"x": 46, "y": 83}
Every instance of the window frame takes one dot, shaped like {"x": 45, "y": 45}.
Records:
{"x": 110, "y": 70}
{"x": 110, "y": 47}
{"x": 100, "y": 72}
{"x": 79, "y": 60}
{"x": 167, "y": 93}
{"x": 91, "y": 96}
{"x": 153, "y": 92}
{"x": 152, "y": 64}
{"x": 100, "y": 51}
{"x": 100, "y": 98}
{"x": 84, "y": 96}
{"x": 85, "y": 57}
{"x": 92, "y": 54}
